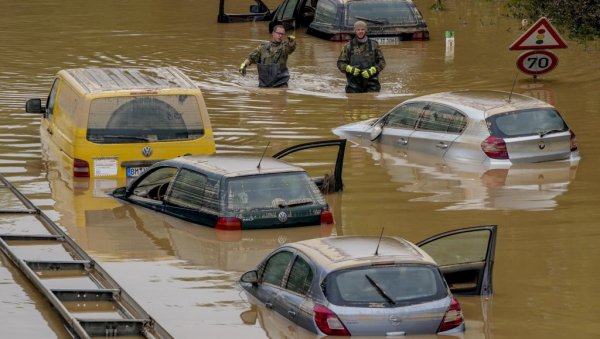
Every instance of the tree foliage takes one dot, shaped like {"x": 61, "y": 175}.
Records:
{"x": 581, "y": 18}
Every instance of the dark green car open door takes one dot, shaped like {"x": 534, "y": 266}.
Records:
{"x": 465, "y": 257}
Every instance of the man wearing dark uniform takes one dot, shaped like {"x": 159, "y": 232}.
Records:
{"x": 361, "y": 59}
{"x": 270, "y": 58}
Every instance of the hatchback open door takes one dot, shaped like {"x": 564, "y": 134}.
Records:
{"x": 465, "y": 257}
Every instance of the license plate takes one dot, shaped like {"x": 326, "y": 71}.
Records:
{"x": 392, "y": 40}
{"x": 135, "y": 171}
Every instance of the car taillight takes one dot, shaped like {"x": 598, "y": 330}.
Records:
{"x": 228, "y": 224}
{"x": 328, "y": 322}
{"x": 453, "y": 317}
{"x": 81, "y": 168}
{"x": 494, "y": 148}
{"x": 326, "y": 217}
{"x": 341, "y": 37}
{"x": 573, "y": 142}
{"x": 420, "y": 36}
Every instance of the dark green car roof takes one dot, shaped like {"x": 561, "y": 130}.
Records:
{"x": 233, "y": 166}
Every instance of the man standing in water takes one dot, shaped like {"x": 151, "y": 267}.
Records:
{"x": 270, "y": 58}
{"x": 362, "y": 60}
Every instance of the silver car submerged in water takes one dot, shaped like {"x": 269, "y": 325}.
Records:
{"x": 372, "y": 286}
{"x": 491, "y": 127}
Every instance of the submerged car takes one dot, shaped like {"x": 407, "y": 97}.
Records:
{"x": 491, "y": 127}
{"x": 388, "y": 21}
{"x": 237, "y": 192}
{"x": 376, "y": 286}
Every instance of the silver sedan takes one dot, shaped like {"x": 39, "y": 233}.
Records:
{"x": 373, "y": 286}
{"x": 494, "y": 128}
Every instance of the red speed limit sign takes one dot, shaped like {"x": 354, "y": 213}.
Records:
{"x": 537, "y": 62}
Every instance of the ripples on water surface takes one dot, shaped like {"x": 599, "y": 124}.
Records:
{"x": 545, "y": 272}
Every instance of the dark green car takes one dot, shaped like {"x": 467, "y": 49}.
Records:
{"x": 236, "y": 192}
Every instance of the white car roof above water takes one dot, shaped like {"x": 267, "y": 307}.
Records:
{"x": 489, "y": 102}
{"x": 333, "y": 253}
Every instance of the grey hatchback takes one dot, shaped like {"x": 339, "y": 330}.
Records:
{"x": 368, "y": 285}
{"x": 491, "y": 127}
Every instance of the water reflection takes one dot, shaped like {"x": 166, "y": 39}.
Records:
{"x": 473, "y": 186}
{"x": 476, "y": 310}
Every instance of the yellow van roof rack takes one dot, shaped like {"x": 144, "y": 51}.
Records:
{"x": 128, "y": 79}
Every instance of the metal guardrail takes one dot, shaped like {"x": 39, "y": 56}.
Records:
{"x": 88, "y": 288}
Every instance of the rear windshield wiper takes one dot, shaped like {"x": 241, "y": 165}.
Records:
{"x": 119, "y": 136}
{"x": 556, "y": 130}
{"x": 380, "y": 290}
{"x": 375, "y": 21}
{"x": 295, "y": 203}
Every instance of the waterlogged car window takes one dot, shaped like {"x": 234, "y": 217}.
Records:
{"x": 528, "y": 122}
{"x": 300, "y": 277}
{"x": 405, "y": 116}
{"x": 381, "y": 12}
{"x": 385, "y": 286}
{"x": 325, "y": 12}
{"x": 269, "y": 191}
{"x": 439, "y": 118}
{"x": 459, "y": 248}
{"x": 188, "y": 190}
{"x": 275, "y": 268}
{"x": 144, "y": 119}
{"x": 153, "y": 181}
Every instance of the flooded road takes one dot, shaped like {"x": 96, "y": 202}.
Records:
{"x": 545, "y": 274}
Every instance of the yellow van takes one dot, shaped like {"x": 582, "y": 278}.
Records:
{"x": 115, "y": 122}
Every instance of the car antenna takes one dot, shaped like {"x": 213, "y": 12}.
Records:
{"x": 263, "y": 155}
{"x": 513, "y": 87}
{"x": 379, "y": 242}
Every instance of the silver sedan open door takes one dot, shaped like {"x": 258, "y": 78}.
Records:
{"x": 465, "y": 257}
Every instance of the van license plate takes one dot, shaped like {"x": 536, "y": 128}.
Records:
{"x": 135, "y": 171}
{"x": 387, "y": 40}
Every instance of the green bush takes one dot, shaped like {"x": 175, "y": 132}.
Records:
{"x": 581, "y": 18}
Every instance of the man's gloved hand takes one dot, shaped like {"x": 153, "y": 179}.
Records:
{"x": 369, "y": 72}
{"x": 291, "y": 38}
{"x": 352, "y": 70}
{"x": 242, "y": 69}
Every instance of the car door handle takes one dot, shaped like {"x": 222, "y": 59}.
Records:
{"x": 269, "y": 305}
{"x": 402, "y": 142}
{"x": 292, "y": 314}
{"x": 442, "y": 145}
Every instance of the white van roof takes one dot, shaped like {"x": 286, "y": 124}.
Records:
{"x": 114, "y": 79}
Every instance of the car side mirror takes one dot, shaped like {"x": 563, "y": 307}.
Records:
{"x": 376, "y": 131}
{"x": 250, "y": 277}
{"x": 119, "y": 192}
{"x": 34, "y": 106}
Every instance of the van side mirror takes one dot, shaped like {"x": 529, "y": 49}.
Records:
{"x": 34, "y": 106}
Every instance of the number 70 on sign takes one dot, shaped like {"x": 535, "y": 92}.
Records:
{"x": 537, "y": 62}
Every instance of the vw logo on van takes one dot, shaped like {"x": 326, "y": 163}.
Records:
{"x": 147, "y": 151}
{"x": 282, "y": 216}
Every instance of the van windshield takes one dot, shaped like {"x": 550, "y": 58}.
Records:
{"x": 381, "y": 12}
{"x": 144, "y": 119}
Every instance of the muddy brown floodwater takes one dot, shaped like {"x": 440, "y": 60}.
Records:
{"x": 546, "y": 271}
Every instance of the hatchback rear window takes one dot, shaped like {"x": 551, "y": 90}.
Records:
{"x": 274, "y": 190}
{"x": 385, "y": 286}
{"x": 382, "y": 12}
{"x": 527, "y": 122}
{"x": 144, "y": 119}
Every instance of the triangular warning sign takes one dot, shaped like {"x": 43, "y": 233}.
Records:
{"x": 542, "y": 35}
